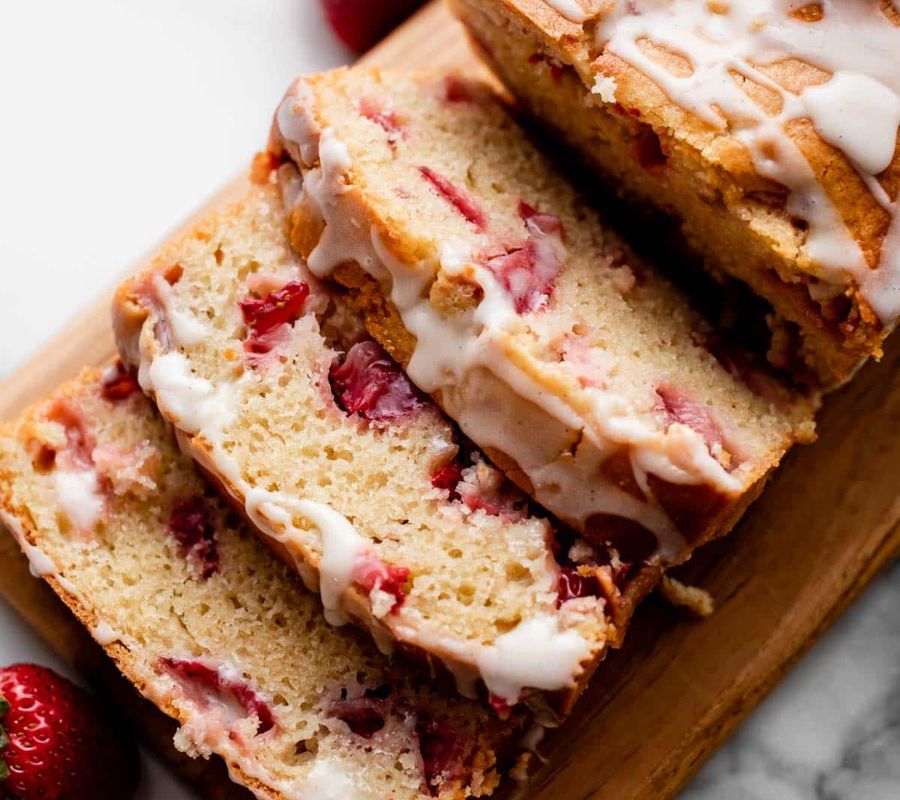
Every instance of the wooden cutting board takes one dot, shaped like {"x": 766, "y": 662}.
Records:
{"x": 658, "y": 708}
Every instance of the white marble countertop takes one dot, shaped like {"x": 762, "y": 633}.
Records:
{"x": 118, "y": 119}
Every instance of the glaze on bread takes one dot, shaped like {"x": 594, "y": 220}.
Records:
{"x": 768, "y": 129}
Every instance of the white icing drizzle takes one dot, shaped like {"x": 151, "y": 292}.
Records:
{"x": 450, "y": 351}
{"x": 40, "y": 564}
{"x": 198, "y": 408}
{"x": 104, "y": 634}
{"x": 184, "y": 326}
{"x": 342, "y": 545}
{"x": 535, "y": 653}
{"x": 329, "y": 780}
{"x": 857, "y": 110}
{"x": 78, "y": 493}
{"x": 193, "y": 401}
{"x": 570, "y": 9}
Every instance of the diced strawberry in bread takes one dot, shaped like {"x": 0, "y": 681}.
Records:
{"x": 443, "y": 752}
{"x": 678, "y": 407}
{"x": 207, "y": 684}
{"x": 457, "y": 90}
{"x": 448, "y": 477}
{"x": 556, "y": 68}
{"x": 367, "y": 382}
{"x": 80, "y": 442}
{"x": 573, "y": 584}
{"x": 364, "y": 715}
{"x": 284, "y": 305}
{"x": 191, "y": 524}
{"x": 457, "y": 198}
{"x": 385, "y": 118}
{"x": 118, "y": 383}
{"x": 528, "y": 272}
{"x": 371, "y": 574}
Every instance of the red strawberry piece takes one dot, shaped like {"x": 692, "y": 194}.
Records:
{"x": 256, "y": 348}
{"x": 372, "y": 573}
{"x": 678, "y": 407}
{"x": 284, "y": 305}
{"x": 365, "y": 715}
{"x": 267, "y": 318}
{"x": 443, "y": 752}
{"x": 117, "y": 383}
{"x": 501, "y": 708}
{"x": 504, "y": 502}
{"x": 573, "y": 584}
{"x": 540, "y": 223}
{"x": 57, "y": 744}
{"x": 79, "y": 439}
{"x": 190, "y": 522}
{"x": 529, "y": 272}
{"x": 457, "y": 90}
{"x": 361, "y": 23}
{"x": 207, "y": 684}
{"x": 370, "y": 384}
{"x": 648, "y": 150}
{"x": 385, "y": 118}
{"x": 456, "y": 197}
{"x": 448, "y": 477}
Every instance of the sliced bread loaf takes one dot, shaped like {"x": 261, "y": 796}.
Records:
{"x": 353, "y": 476}
{"x": 768, "y": 129}
{"x": 211, "y": 627}
{"x": 575, "y": 366}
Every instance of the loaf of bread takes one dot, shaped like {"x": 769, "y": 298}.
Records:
{"x": 211, "y": 628}
{"x": 768, "y": 129}
{"x": 576, "y": 367}
{"x": 352, "y": 475}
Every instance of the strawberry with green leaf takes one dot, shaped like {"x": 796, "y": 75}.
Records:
{"x": 55, "y": 742}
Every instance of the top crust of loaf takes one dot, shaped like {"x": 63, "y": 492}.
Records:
{"x": 635, "y": 90}
{"x": 841, "y": 294}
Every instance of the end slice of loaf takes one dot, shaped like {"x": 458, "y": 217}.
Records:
{"x": 354, "y": 477}
{"x": 575, "y": 366}
{"x": 736, "y": 120}
{"x": 211, "y": 627}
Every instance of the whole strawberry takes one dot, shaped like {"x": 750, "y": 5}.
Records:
{"x": 361, "y": 23}
{"x": 55, "y": 743}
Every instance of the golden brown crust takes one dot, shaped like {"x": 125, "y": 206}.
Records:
{"x": 730, "y": 209}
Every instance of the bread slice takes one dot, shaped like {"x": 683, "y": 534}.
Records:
{"x": 211, "y": 627}
{"x": 354, "y": 477}
{"x": 576, "y": 367}
{"x": 729, "y": 117}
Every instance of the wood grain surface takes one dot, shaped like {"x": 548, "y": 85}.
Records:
{"x": 826, "y": 524}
